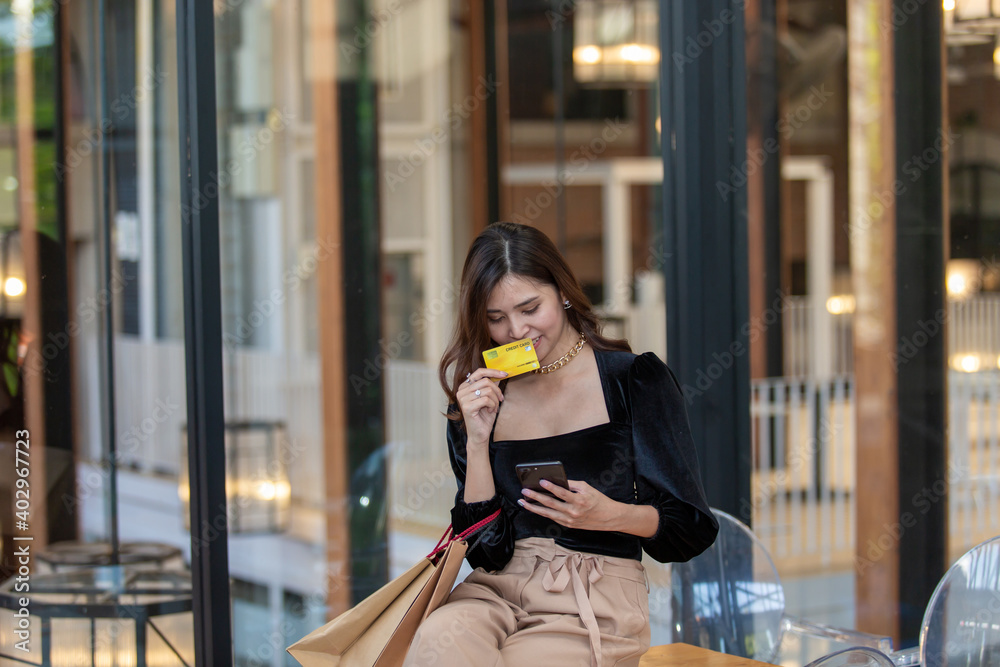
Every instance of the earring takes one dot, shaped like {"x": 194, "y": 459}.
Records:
{"x": 566, "y": 305}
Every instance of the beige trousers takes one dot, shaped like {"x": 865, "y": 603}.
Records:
{"x": 549, "y": 606}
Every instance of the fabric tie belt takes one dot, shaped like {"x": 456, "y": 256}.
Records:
{"x": 566, "y": 568}
{"x": 580, "y": 569}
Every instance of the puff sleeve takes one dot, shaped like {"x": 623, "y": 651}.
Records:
{"x": 666, "y": 464}
{"x": 495, "y": 544}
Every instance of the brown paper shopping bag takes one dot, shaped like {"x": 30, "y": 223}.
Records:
{"x": 378, "y": 631}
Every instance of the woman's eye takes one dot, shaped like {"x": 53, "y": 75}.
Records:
{"x": 497, "y": 321}
{"x": 531, "y": 312}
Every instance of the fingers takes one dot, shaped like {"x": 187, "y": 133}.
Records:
{"x": 558, "y": 491}
{"x": 544, "y": 504}
{"x": 541, "y": 498}
{"x": 550, "y": 508}
{"x": 484, "y": 402}
{"x": 470, "y": 391}
{"x": 481, "y": 373}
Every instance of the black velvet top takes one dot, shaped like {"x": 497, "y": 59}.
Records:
{"x": 643, "y": 455}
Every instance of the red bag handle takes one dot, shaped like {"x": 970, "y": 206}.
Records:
{"x": 449, "y": 537}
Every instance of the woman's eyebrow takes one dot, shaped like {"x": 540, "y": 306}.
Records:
{"x": 523, "y": 303}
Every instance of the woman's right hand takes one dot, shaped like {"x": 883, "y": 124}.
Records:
{"x": 480, "y": 411}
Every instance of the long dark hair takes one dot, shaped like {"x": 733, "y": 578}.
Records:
{"x": 503, "y": 249}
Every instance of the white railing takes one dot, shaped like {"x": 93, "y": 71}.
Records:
{"x": 803, "y": 433}
{"x": 798, "y": 343}
{"x": 973, "y": 326}
{"x": 973, "y": 476}
{"x": 973, "y": 332}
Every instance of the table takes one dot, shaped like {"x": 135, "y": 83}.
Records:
{"x": 685, "y": 655}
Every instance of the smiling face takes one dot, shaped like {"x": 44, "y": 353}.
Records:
{"x": 519, "y": 308}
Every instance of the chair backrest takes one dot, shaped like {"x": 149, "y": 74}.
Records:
{"x": 962, "y": 622}
{"x": 729, "y": 598}
{"x": 854, "y": 657}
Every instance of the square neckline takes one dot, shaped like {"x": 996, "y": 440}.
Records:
{"x": 607, "y": 407}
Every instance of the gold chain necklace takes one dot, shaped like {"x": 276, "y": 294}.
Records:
{"x": 563, "y": 360}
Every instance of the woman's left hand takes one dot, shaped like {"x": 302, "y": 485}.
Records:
{"x": 582, "y": 506}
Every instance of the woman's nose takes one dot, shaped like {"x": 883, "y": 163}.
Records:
{"x": 518, "y": 328}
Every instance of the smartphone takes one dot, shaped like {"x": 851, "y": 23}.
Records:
{"x": 531, "y": 475}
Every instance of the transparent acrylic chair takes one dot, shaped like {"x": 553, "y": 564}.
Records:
{"x": 961, "y": 626}
{"x": 730, "y": 599}
{"x": 854, "y": 657}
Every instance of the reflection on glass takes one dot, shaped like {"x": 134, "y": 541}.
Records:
{"x": 729, "y": 598}
{"x": 88, "y": 363}
{"x": 962, "y": 623}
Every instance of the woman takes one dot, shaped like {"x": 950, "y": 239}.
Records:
{"x": 558, "y": 578}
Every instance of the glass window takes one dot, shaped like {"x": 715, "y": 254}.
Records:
{"x": 92, "y": 396}
{"x": 361, "y": 147}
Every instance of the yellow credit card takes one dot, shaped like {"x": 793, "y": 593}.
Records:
{"x": 515, "y": 358}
